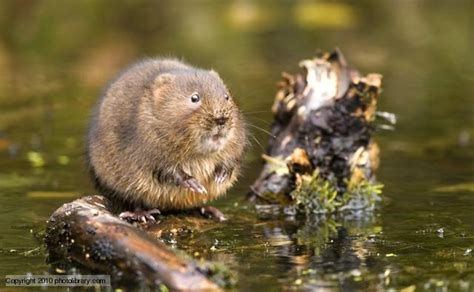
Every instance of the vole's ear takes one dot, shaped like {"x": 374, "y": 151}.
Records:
{"x": 162, "y": 79}
{"x": 214, "y": 73}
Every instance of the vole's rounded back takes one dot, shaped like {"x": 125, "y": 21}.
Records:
{"x": 165, "y": 135}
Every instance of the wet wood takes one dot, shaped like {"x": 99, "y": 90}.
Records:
{"x": 85, "y": 232}
{"x": 324, "y": 120}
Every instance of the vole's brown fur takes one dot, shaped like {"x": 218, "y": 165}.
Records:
{"x": 150, "y": 146}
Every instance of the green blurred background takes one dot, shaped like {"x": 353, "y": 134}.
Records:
{"x": 56, "y": 56}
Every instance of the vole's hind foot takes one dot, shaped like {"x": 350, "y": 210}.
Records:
{"x": 212, "y": 213}
{"x": 140, "y": 216}
{"x": 192, "y": 184}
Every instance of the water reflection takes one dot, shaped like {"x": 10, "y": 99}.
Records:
{"x": 319, "y": 252}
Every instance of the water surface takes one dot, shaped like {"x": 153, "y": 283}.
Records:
{"x": 56, "y": 56}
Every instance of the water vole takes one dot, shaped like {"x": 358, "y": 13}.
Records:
{"x": 165, "y": 135}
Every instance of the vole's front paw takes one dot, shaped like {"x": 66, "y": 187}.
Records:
{"x": 221, "y": 174}
{"x": 192, "y": 184}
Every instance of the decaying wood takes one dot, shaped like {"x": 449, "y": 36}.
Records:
{"x": 85, "y": 232}
{"x": 323, "y": 120}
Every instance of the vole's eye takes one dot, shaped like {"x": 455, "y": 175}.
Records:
{"x": 195, "y": 97}
{"x": 226, "y": 96}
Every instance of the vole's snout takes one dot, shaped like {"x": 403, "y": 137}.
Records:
{"x": 220, "y": 121}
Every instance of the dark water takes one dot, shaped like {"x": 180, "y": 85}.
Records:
{"x": 56, "y": 55}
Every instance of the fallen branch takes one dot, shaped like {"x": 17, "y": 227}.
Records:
{"x": 85, "y": 232}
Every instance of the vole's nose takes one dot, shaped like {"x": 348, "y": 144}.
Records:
{"x": 221, "y": 120}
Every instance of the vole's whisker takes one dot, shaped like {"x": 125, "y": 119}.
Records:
{"x": 262, "y": 120}
{"x": 262, "y": 129}
{"x": 256, "y": 140}
{"x": 255, "y": 112}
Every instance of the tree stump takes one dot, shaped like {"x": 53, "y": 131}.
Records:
{"x": 321, "y": 156}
